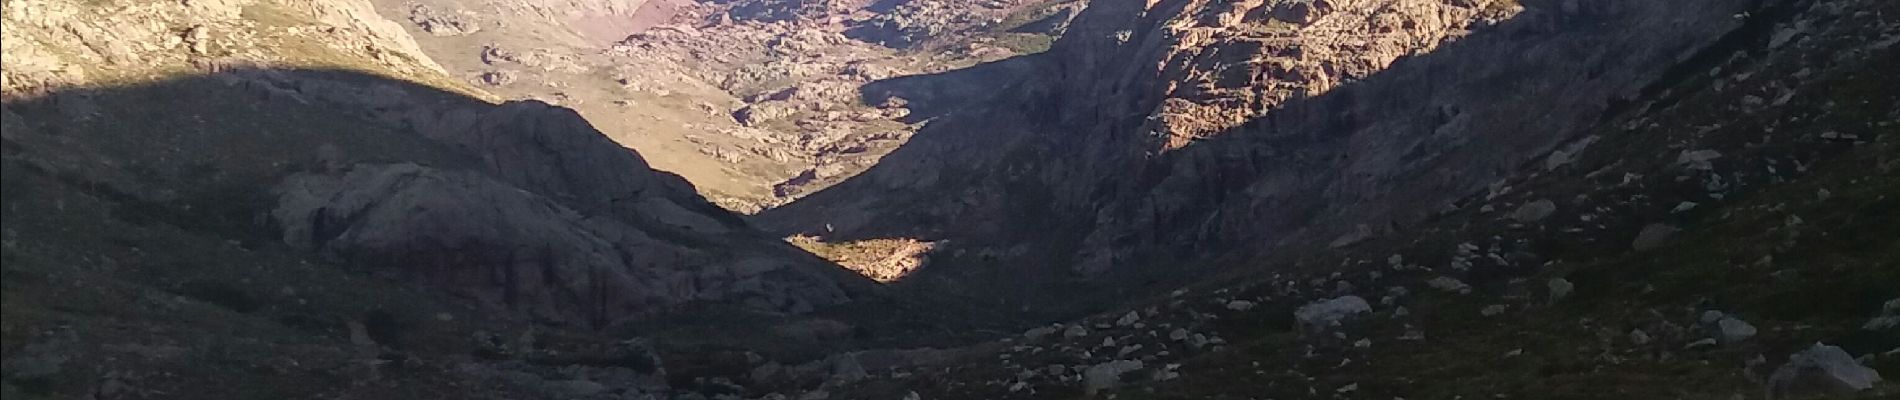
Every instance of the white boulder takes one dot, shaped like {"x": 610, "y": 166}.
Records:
{"x": 1320, "y": 315}
{"x": 1107, "y": 375}
{"x": 1821, "y": 369}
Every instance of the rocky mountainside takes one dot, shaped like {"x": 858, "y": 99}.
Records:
{"x": 1673, "y": 249}
{"x": 1254, "y": 126}
{"x": 649, "y": 240}
{"x": 1184, "y": 199}
{"x": 755, "y": 102}
{"x": 302, "y": 174}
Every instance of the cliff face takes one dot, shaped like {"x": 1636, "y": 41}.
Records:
{"x": 1180, "y": 129}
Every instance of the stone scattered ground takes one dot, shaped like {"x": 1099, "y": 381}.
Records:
{"x": 1721, "y": 268}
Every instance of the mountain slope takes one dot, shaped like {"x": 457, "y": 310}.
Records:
{"x": 279, "y": 198}
{"x": 1252, "y": 126}
{"x": 755, "y": 102}
{"x": 1771, "y": 169}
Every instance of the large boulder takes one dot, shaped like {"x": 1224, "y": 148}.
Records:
{"x": 1322, "y": 315}
{"x": 758, "y": 114}
{"x": 1534, "y": 211}
{"x": 1821, "y": 369}
{"x": 1653, "y": 236}
{"x": 1107, "y": 375}
{"x": 440, "y": 23}
{"x": 1888, "y": 319}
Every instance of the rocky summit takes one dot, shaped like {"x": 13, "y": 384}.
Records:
{"x": 949, "y": 199}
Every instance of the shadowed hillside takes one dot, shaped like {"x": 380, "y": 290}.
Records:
{"x": 290, "y": 205}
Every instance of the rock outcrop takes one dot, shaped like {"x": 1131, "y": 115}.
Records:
{"x": 441, "y": 23}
